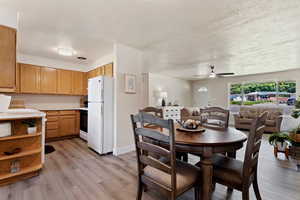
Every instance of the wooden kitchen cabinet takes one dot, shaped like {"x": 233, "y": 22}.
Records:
{"x": 64, "y": 82}
{"x": 85, "y": 84}
{"x": 99, "y": 71}
{"x": 48, "y": 80}
{"x": 62, "y": 124}
{"x": 67, "y": 125}
{"x": 7, "y": 59}
{"x": 30, "y": 78}
{"x": 108, "y": 70}
{"x": 77, "y": 82}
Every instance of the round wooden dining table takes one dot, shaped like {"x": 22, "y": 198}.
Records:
{"x": 206, "y": 144}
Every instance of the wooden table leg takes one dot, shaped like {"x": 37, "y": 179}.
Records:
{"x": 207, "y": 172}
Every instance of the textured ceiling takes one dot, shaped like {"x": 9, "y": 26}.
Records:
{"x": 180, "y": 38}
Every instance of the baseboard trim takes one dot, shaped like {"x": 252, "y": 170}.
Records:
{"x": 122, "y": 150}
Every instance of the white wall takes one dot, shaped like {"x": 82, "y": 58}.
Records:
{"x": 218, "y": 88}
{"x": 177, "y": 89}
{"x": 44, "y": 102}
{"x": 127, "y": 60}
{"x": 8, "y": 17}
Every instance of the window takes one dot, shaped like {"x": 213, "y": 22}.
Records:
{"x": 268, "y": 93}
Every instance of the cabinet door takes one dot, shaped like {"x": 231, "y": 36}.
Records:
{"x": 48, "y": 80}
{"x": 108, "y": 70}
{"x": 67, "y": 125}
{"x": 64, "y": 81}
{"x": 100, "y": 71}
{"x": 85, "y": 84}
{"x": 77, "y": 122}
{"x": 92, "y": 73}
{"x": 7, "y": 59}
{"x": 30, "y": 76}
{"x": 77, "y": 82}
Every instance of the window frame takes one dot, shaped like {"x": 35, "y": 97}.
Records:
{"x": 264, "y": 81}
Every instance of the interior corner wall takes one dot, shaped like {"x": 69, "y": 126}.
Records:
{"x": 178, "y": 90}
{"x": 218, "y": 88}
{"x": 103, "y": 60}
{"x": 127, "y": 60}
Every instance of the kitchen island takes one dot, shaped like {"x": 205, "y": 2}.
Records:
{"x": 21, "y": 147}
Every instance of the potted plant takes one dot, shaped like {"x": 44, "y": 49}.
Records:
{"x": 295, "y": 136}
{"x": 279, "y": 141}
{"x": 31, "y": 128}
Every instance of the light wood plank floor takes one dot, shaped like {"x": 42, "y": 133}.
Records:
{"x": 74, "y": 172}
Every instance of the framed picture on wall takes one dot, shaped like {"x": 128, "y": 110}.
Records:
{"x": 130, "y": 83}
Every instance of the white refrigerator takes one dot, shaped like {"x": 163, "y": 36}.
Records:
{"x": 100, "y": 114}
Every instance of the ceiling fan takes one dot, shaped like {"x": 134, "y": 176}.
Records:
{"x": 213, "y": 74}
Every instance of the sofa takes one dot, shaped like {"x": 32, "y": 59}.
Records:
{"x": 244, "y": 118}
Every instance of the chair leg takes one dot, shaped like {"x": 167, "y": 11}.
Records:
{"x": 213, "y": 185}
{"x": 256, "y": 189}
{"x": 275, "y": 152}
{"x": 185, "y": 157}
{"x": 145, "y": 188}
{"x": 197, "y": 192}
{"x": 230, "y": 189}
{"x": 139, "y": 191}
{"x": 245, "y": 194}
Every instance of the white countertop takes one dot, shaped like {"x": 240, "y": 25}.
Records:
{"x": 46, "y": 109}
{"x": 21, "y": 113}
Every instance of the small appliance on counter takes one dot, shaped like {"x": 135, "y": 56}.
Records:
{"x": 4, "y": 102}
{"x": 5, "y": 129}
{"x": 100, "y": 114}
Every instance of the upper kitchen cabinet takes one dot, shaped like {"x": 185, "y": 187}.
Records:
{"x": 85, "y": 84}
{"x": 48, "y": 80}
{"x": 108, "y": 70}
{"x": 30, "y": 78}
{"x": 64, "y": 81}
{"x": 7, "y": 59}
{"x": 78, "y": 82}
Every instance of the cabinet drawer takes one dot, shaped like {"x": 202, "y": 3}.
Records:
{"x": 52, "y": 119}
{"x": 51, "y": 125}
{"x": 67, "y": 112}
{"x": 51, "y": 113}
{"x": 52, "y": 133}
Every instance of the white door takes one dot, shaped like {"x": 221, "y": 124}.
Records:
{"x": 95, "y": 89}
{"x": 95, "y": 127}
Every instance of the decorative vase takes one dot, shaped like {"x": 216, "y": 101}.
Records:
{"x": 163, "y": 102}
{"x": 31, "y": 130}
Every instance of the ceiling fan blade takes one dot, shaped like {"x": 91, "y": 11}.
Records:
{"x": 225, "y": 74}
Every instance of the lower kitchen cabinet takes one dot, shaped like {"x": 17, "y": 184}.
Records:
{"x": 67, "y": 125}
{"x": 62, "y": 124}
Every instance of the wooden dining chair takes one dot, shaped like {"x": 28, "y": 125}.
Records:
{"x": 214, "y": 117}
{"x": 169, "y": 176}
{"x": 158, "y": 112}
{"x": 237, "y": 174}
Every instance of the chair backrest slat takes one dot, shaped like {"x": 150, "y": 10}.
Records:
{"x": 215, "y": 113}
{"x": 158, "y": 112}
{"x": 152, "y": 134}
{"x": 253, "y": 144}
{"x": 153, "y": 162}
{"x": 154, "y": 149}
